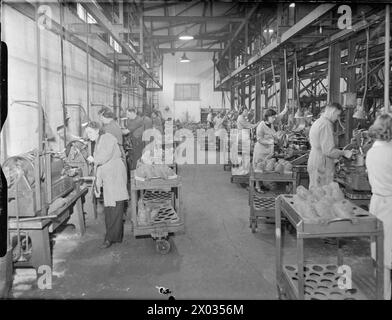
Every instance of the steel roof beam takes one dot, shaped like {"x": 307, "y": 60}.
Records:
{"x": 105, "y": 23}
{"x": 193, "y": 49}
{"x": 310, "y": 18}
{"x": 237, "y": 32}
{"x": 193, "y": 19}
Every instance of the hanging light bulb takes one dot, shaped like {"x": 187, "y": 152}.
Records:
{"x": 186, "y": 37}
{"x": 184, "y": 58}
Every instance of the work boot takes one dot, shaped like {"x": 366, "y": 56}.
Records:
{"x": 105, "y": 244}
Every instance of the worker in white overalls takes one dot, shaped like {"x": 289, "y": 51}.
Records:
{"x": 379, "y": 167}
{"x": 243, "y": 137}
{"x": 266, "y": 137}
{"x": 323, "y": 152}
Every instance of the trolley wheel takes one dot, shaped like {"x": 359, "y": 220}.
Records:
{"x": 281, "y": 294}
{"x": 162, "y": 246}
{"x": 290, "y": 228}
{"x": 253, "y": 226}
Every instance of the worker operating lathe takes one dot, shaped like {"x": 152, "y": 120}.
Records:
{"x": 111, "y": 175}
{"x": 135, "y": 128}
{"x": 379, "y": 167}
{"x": 323, "y": 152}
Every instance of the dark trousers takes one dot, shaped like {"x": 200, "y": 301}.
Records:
{"x": 135, "y": 154}
{"x": 114, "y": 222}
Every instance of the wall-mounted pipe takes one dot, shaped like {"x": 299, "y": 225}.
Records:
{"x": 39, "y": 195}
{"x": 387, "y": 56}
{"x": 61, "y": 7}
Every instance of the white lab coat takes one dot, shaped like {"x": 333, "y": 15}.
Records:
{"x": 243, "y": 143}
{"x": 323, "y": 153}
{"x": 379, "y": 167}
{"x": 111, "y": 173}
{"x": 264, "y": 147}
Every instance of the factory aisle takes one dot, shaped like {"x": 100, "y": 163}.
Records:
{"x": 216, "y": 257}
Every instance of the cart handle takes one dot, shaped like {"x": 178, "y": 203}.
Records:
{"x": 340, "y": 219}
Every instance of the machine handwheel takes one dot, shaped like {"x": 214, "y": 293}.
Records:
{"x": 162, "y": 246}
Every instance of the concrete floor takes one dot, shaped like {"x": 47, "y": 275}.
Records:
{"x": 217, "y": 257}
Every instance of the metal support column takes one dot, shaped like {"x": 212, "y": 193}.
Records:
{"x": 334, "y": 70}
{"x": 258, "y": 96}
{"x": 246, "y": 43}
{"x": 63, "y": 98}
{"x": 250, "y": 95}
{"x": 283, "y": 85}
{"x": 232, "y": 98}
{"x": 351, "y": 88}
{"x": 39, "y": 196}
{"x": 88, "y": 72}
{"x": 264, "y": 92}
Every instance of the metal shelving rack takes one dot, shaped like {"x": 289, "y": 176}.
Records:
{"x": 262, "y": 206}
{"x": 316, "y": 281}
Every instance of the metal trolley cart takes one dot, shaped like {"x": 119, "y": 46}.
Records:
{"x": 239, "y": 179}
{"x": 166, "y": 196}
{"x": 300, "y": 167}
{"x": 360, "y": 197}
{"x": 262, "y": 206}
{"x": 320, "y": 281}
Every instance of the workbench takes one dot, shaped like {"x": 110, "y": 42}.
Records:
{"x": 262, "y": 205}
{"x": 319, "y": 281}
{"x": 38, "y": 230}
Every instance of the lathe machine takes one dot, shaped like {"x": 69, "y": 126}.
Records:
{"x": 43, "y": 191}
{"x": 351, "y": 173}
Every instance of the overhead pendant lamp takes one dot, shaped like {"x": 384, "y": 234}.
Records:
{"x": 184, "y": 58}
{"x": 186, "y": 37}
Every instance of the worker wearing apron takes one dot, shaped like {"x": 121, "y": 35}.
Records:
{"x": 111, "y": 174}
{"x": 266, "y": 136}
{"x": 379, "y": 167}
{"x": 323, "y": 153}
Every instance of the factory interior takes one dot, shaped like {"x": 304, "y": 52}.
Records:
{"x": 232, "y": 150}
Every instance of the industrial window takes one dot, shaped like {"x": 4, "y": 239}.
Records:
{"x": 84, "y": 15}
{"x": 186, "y": 91}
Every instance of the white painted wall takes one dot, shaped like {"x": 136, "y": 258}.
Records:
{"x": 199, "y": 70}
{"x": 20, "y": 133}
